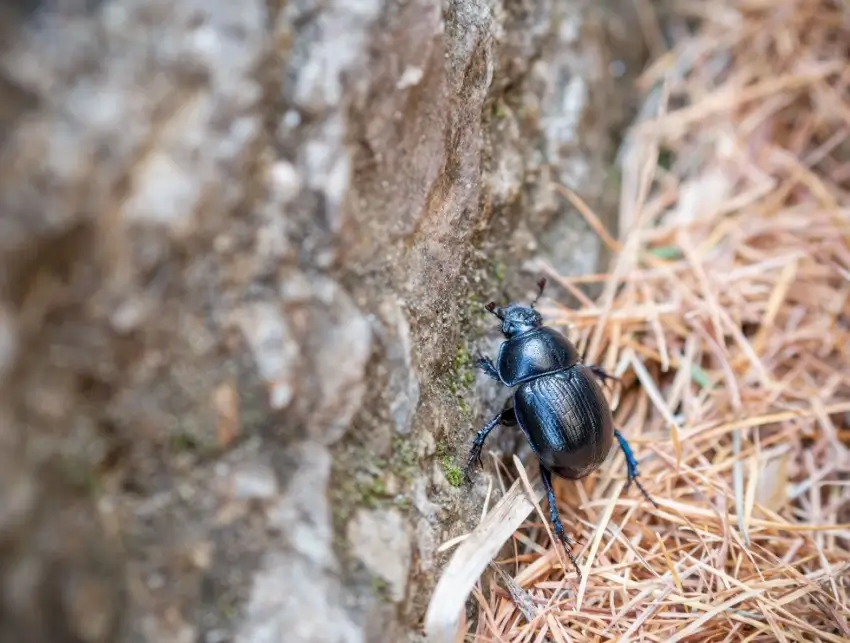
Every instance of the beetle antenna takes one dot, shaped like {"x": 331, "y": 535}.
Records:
{"x": 491, "y": 308}
{"x": 540, "y": 286}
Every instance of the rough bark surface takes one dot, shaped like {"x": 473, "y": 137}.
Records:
{"x": 244, "y": 248}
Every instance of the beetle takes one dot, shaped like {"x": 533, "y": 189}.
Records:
{"x": 557, "y": 403}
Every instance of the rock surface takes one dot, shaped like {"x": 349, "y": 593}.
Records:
{"x": 244, "y": 248}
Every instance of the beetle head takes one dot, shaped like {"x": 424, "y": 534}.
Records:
{"x": 516, "y": 318}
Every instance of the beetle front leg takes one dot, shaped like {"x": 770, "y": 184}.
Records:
{"x": 506, "y": 417}
{"x": 486, "y": 364}
{"x": 555, "y": 517}
{"x": 632, "y": 465}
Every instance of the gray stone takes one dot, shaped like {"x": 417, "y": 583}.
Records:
{"x": 381, "y": 541}
{"x": 253, "y": 482}
{"x": 289, "y": 603}
{"x": 403, "y": 385}
{"x": 303, "y": 516}
{"x": 274, "y": 348}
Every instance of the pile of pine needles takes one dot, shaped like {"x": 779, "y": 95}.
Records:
{"x": 726, "y": 314}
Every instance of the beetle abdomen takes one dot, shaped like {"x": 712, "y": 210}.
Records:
{"x": 567, "y": 421}
{"x": 535, "y": 353}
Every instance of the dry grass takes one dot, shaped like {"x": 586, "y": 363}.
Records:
{"x": 726, "y": 313}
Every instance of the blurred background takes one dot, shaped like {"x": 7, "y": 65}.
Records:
{"x": 244, "y": 253}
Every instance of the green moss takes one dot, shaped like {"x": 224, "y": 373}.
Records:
{"x": 462, "y": 376}
{"x": 227, "y": 605}
{"x": 183, "y": 442}
{"x": 380, "y": 588}
{"x": 403, "y": 461}
{"x": 372, "y": 492}
{"x": 499, "y": 271}
{"x": 463, "y": 358}
{"x": 376, "y": 489}
{"x": 454, "y": 474}
{"x": 359, "y": 490}
{"x": 364, "y": 485}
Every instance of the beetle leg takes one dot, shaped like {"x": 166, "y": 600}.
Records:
{"x": 546, "y": 475}
{"x": 602, "y": 374}
{"x": 486, "y": 365}
{"x": 506, "y": 417}
{"x": 632, "y": 465}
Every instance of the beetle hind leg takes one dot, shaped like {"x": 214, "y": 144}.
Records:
{"x": 555, "y": 517}
{"x": 632, "y": 465}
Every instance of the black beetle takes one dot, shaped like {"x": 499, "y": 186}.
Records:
{"x": 558, "y": 404}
